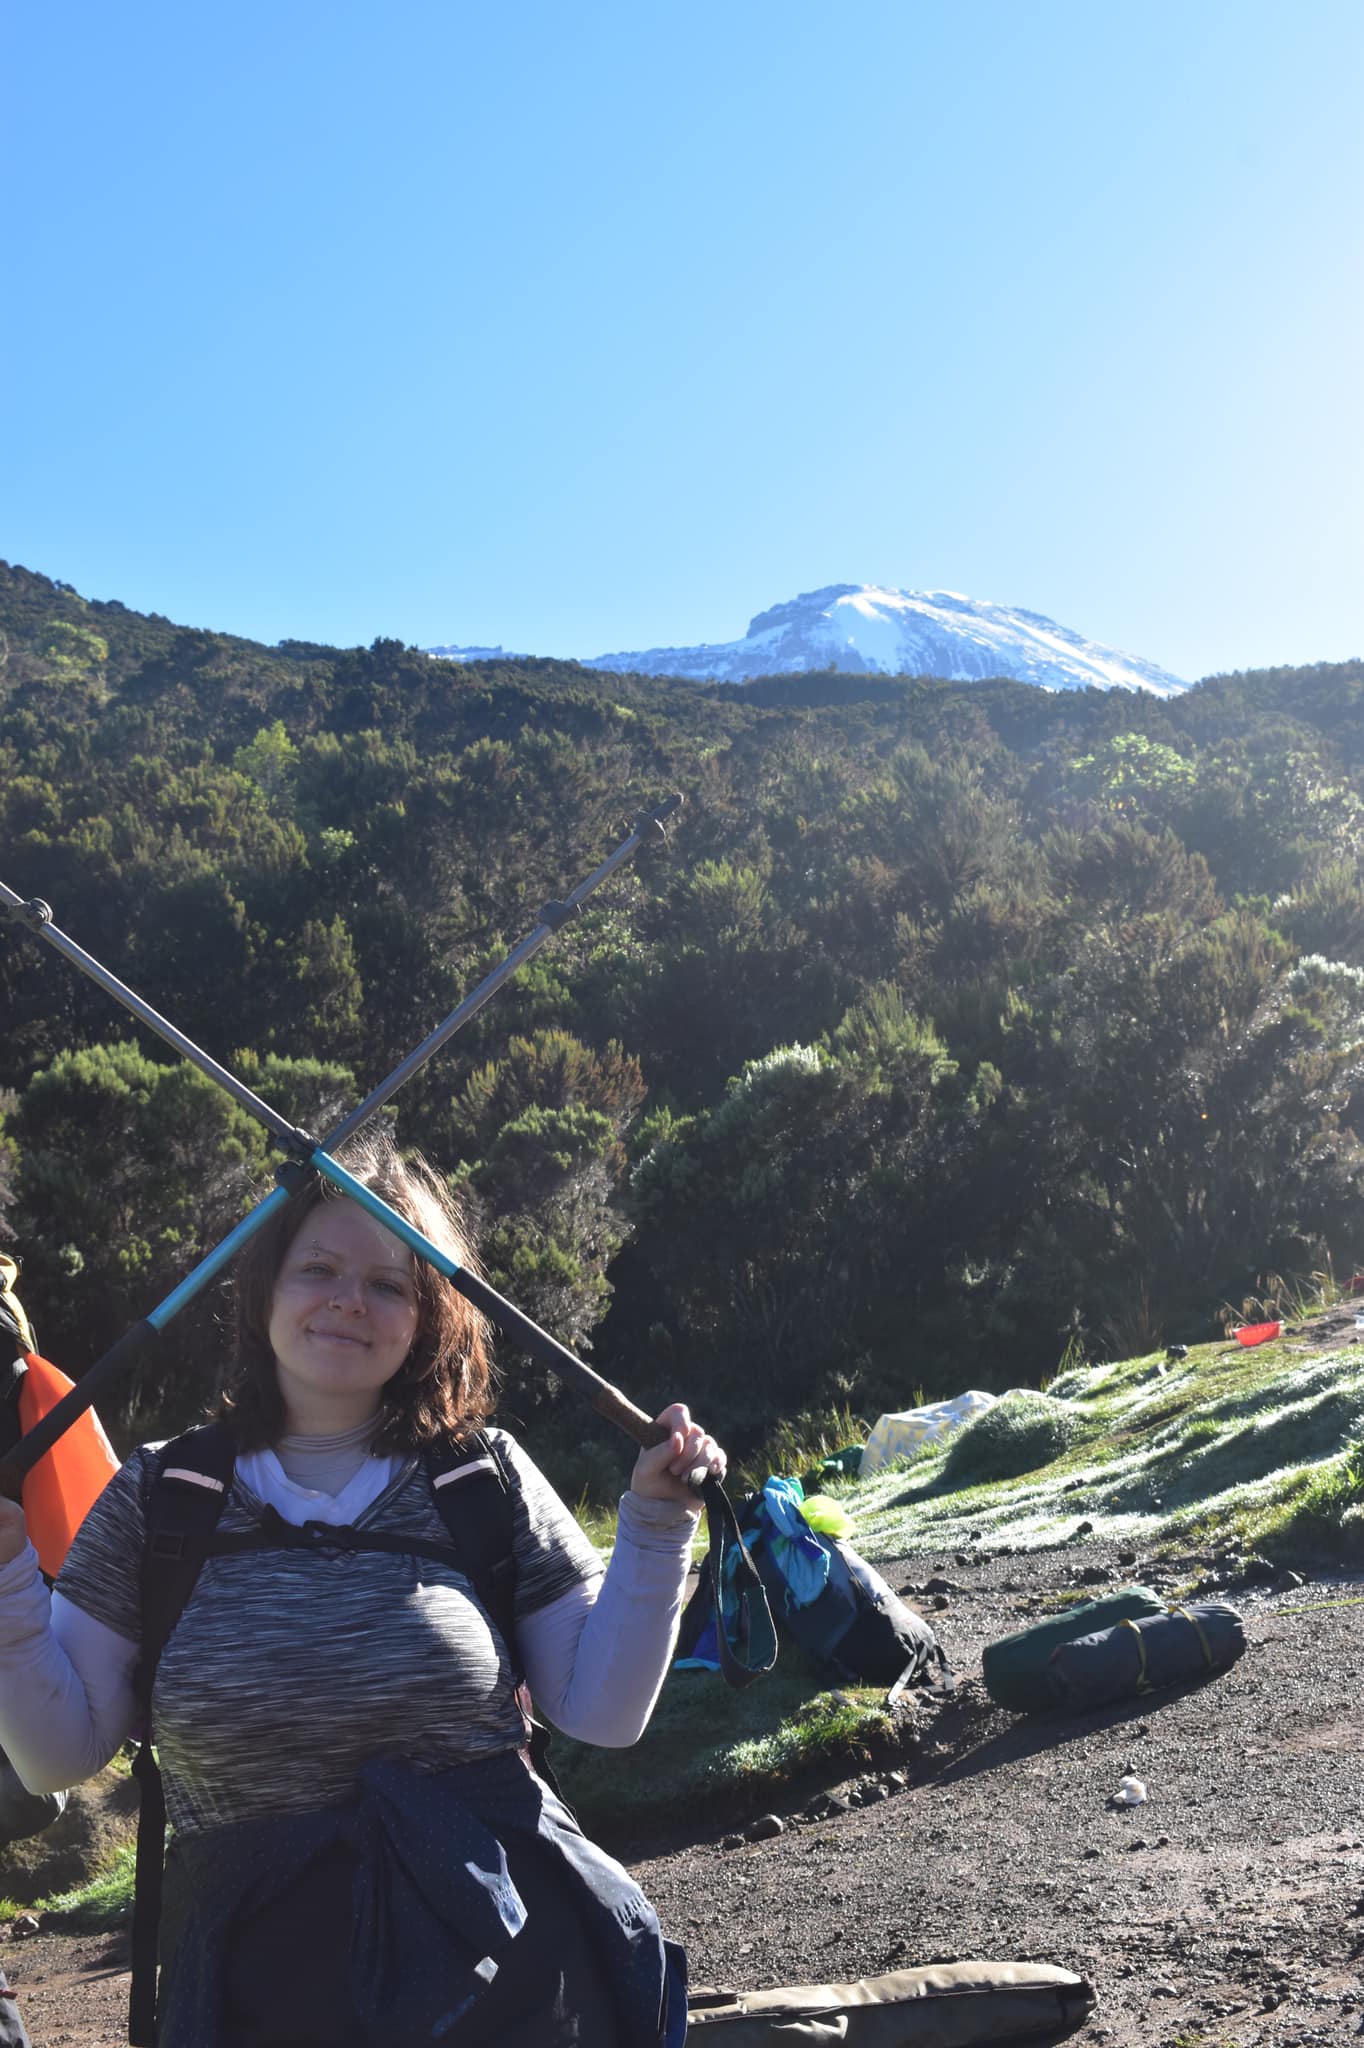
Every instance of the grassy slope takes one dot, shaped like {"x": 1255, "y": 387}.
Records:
{"x": 1258, "y": 1445}
{"x": 1261, "y": 1446}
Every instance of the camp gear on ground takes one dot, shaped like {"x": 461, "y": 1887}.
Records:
{"x": 905, "y": 1434}
{"x": 946, "y": 2005}
{"x": 469, "y": 1490}
{"x": 828, "y": 1598}
{"x": 1015, "y": 1667}
{"x": 844, "y": 1464}
{"x": 1258, "y": 1333}
{"x": 38, "y": 916}
{"x": 1146, "y": 1654}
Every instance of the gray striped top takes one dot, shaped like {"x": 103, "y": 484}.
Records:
{"x": 289, "y": 1669}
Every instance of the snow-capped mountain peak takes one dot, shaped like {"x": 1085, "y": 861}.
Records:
{"x": 865, "y": 628}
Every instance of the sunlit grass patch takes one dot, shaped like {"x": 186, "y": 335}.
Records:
{"x": 105, "y": 1902}
{"x": 1018, "y": 1434}
{"x": 723, "y": 1755}
{"x": 829, "y": 1726}
{"x": 795, "y": 1445}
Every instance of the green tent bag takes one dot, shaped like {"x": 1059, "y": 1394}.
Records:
{"x": 1015, "y": 1667}
{"x": 945, "y": 2005}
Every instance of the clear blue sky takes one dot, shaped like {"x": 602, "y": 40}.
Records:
{"x": 601, "y": 326}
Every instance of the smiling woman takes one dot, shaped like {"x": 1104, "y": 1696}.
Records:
{"x": 342, "y": 1320}
{"x": 362, "y": 1849}
{"x": 336, "y": 1320}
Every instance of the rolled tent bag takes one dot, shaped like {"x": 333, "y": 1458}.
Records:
{"x": 944, "y": 2005}
{"x": 1146, "y": 1655}
{"x": 1016, "y": 1668}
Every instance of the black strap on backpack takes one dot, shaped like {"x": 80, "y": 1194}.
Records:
{"x": 11, "y": 1428}
{"x": 184, "y": 1502}
{"x": 473, "y": 1498}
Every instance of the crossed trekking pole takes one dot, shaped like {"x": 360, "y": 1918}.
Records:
{"x": 304, "y": 1151}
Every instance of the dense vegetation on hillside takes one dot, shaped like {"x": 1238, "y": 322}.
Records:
{"x": 956, "y": 1027}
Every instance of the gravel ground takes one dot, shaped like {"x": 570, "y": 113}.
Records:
{"x": 1227, "y": 1911}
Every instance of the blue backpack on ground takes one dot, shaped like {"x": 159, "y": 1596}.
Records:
{"x": 824, "y": 1595}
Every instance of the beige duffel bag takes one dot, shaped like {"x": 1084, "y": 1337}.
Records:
{"x": 944, "y": 2005}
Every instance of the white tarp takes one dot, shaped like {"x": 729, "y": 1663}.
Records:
{"x": 900, "y": 1436}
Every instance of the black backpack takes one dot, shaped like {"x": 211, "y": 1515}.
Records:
{"x": 184, "y": 1503}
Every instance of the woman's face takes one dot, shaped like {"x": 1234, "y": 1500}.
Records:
{"x": 343, "y": 1317}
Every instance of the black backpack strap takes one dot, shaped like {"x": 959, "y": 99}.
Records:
{"x": 753, "y": 1648}
{"x": 184, "y": 1503}
{"x": 184, "y": 1500}
{"x": 472, "y": 1494}
{"x": 11, "y": 1429}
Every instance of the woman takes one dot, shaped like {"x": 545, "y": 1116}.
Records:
{"x": 361, "y": 1850}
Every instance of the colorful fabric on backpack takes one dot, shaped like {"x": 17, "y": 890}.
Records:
{"x": 801, "y": 1557}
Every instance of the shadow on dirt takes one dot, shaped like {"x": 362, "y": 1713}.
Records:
{"x": 964, "y": 1723}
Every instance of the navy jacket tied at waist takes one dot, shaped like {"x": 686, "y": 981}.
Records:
{"x": 435, "y": 1912}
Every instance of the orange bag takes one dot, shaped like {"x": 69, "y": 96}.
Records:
{"x": 65, "y": 1483}
{"x": 1257, "y": 1333}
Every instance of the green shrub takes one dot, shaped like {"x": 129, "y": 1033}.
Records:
{"x": 1021, "y": 1432}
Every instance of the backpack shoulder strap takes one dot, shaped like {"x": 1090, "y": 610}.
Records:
{"x": 184, "y": 1500}
{"x": 472, "y": 1495}
{"x": 11, "y": 1429}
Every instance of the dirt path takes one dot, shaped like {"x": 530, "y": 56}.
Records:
{"x": 1228, "y": 1911}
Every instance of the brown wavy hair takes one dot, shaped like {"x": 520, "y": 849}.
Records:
{"x": 444, "y": 1387}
